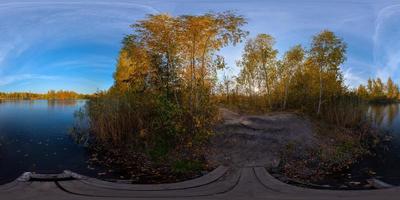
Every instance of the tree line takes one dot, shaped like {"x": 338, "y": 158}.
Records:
{"x": 376, "y": 91}
{"x": 51, "y": 95}
{"x": 304, "y": 79}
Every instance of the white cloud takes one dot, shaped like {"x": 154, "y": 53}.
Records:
{"x": 45, "y": 24}
{"x": 352, "y": 79}
{"x": 386, "y": 42}
{"x": 33, "y": 30}
{"x": 6, "y": 80}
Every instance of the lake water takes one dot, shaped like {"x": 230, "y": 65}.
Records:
{"x": 385, "y": 165}
{"x": 34, "y": 136}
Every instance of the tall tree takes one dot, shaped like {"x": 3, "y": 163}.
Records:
{"x": 201, "y": 37}
{"x": 362, "y": 91}
{"x": 378, "y": 88}
{"x": 259, "y": 61}
{"x": 158, "y": 35}
{"x": 327, "y": 53}
{"x": 391, "y": 89}
{"x": 175, "y": 58}
{"x": 133, "y": 66}
{"x": 370, "y": 86}
{"x": 291, "y": 63}
{"x": 378, "y": 91}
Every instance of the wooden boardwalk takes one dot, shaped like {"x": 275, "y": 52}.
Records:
{"x": 222, "y": 183}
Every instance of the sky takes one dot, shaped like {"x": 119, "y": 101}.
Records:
{"x": 74, "y": 44}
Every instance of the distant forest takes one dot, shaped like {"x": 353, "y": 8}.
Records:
{"x": 52, "y": 94}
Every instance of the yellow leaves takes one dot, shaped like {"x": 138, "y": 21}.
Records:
{"x": 198, "y": 122}
{"x": 51, "y": 95}
{"x": 189, "y": 144}
{"x": 175, "y": 55}
{"x": 377, "y": 91}
{"x": 259, "y": 65}
{"x": 142, "y": 133}
{"x": 300, "y": 79}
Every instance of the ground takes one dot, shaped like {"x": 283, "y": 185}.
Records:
{"x": 258, "y": 140}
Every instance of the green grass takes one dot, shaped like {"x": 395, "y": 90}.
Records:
{"x": 186, "y": 166}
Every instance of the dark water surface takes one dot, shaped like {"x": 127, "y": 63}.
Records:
{"x": 385, "y": 165}
{"x": 34, "y": 136}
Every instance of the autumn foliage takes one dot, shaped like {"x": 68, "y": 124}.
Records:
{"x": 167, "y": 89}
{"x": 307, "y": 80}
{"x": 376, "y": 91}
{"x": 50, "y": 95}
{"x": 161, "y": 104}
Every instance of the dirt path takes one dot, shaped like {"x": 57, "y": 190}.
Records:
{"x": 250, "y": 140}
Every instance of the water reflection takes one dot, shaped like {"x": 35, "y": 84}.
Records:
{"x": 56, "y": 104}
{"x": 384, "y": 162}
{"x": 34, "y": 136}
{"x": 384, "y": 116}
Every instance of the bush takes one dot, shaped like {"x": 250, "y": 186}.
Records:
{"x": 184, "y": 166}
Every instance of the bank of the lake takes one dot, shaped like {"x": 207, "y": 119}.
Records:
{"x": 383, "y": 163}
{"x": 36, "y": 136}
{"x": 373, "y": 168}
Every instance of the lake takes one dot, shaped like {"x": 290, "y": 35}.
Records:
{"x": 34, "y": 136}
{"x": 386, "y": 163}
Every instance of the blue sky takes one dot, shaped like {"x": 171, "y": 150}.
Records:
{"x": 73, "y": 44}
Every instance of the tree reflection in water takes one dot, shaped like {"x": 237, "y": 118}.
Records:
{"x": 383, "y": 115}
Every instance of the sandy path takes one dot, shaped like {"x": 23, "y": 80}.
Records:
{"x": 250, "y": 140}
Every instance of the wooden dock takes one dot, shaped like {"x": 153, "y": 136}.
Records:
{"x": 222, "y": 183}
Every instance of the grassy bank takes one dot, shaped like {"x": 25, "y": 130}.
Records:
{"x": 144, "y": 137}
{"x": 337, "y": 150}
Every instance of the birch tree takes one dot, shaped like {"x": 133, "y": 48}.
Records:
{"x": 258, "y": 65}
{"x": 327, "y": 53}
{"x": 291, "y": 63}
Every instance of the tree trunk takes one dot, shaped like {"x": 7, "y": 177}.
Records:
{"x": 267, "y": 85}
{"x": 268, "y": 93}
{"x": 320, "y": 92}
{"x": 227, "y": 92}
{"x": 286, "y": 94}
{"x": 192, "y": 76}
